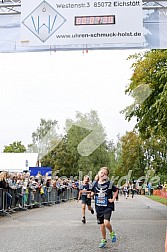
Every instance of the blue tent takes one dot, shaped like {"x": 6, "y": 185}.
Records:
{"x": 43, "y": 170}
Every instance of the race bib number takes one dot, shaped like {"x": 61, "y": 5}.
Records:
{"x": 101, "y": 199}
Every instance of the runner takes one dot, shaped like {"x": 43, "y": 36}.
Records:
{"x": 105, "y": 194}
{"x": 85, "y": 196}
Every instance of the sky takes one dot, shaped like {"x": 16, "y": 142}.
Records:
{"x": 54, "y": 85}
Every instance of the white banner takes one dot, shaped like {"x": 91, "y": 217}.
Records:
{"x": 81, "y": 22}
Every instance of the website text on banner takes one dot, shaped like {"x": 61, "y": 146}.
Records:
{"x": 81, "y": 22}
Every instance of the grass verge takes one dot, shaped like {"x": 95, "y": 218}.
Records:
{"x": 158, "y": 199}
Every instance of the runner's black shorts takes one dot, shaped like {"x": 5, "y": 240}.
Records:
{"x": 86, "y": 201}
{"x": 102, "y": 216}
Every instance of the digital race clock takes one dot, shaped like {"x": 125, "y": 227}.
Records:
{"x": 95, "y": 20}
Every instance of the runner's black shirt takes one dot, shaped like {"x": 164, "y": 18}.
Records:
{"x": 103, "y": 192}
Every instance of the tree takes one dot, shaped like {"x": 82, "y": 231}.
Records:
{"x": 156, "y": 154}
{"x": 16, "y": 147}
{"x": 129, "y": 155}
{"x": 150, "y": 71}
{"x": 113, "y": 161}
{"x": 151, "y": 114}
{"x": 44, "y": 138}
{"x": 68, "y": 158}
{"x": 118, "y": 171}
{"x": 59, "y": 159}
{"x": 133, "y": 157}
{"x": 88, "y": 130}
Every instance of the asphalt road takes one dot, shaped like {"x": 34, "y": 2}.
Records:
{"x": 140, "y": 225}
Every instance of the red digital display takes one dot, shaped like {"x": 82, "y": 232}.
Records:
{"x": 95, "y": 20}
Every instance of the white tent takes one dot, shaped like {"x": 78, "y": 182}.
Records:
{"x": 17, "y": 162}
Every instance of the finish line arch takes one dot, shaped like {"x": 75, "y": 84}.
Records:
{"x": 21, "y": 31}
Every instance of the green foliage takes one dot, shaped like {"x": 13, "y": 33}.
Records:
{"x": 15, "y": 147}
{"x": 77, "y": 130}
{"x": 132, "y": 155}
{"x": 60, "y": 159}
{"x": 65, "y": 157}
{"x": 113, "y": 157}
{"x": 158, "y": 199}
{"x": 44, "y": 138}
{"x": 163, "y": 177}
{"x": 150, "y": 69}
{"x": 156, "y": 153}
{"x": 140, "y": 156}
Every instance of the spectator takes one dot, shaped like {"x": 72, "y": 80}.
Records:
{"x": 149, "y": 188}
{"x": 8, "y": 197}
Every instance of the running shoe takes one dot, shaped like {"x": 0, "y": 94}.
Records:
{"x": 113, "y": 236}
{"x": 84, "y": 220}
{"x": 103, "y": 243}
{"x": 92, "y": 211}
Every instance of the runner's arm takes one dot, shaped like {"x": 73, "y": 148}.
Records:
{"x": 79, "y": 194}
{"x": 114, "y": 196}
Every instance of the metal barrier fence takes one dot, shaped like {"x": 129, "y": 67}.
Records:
{"x": 12, "y": 200}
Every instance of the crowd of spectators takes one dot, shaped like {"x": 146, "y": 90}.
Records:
{"x": 22, "y": 189}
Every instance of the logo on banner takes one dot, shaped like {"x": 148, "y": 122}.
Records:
{"x": 43, "y": 21}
